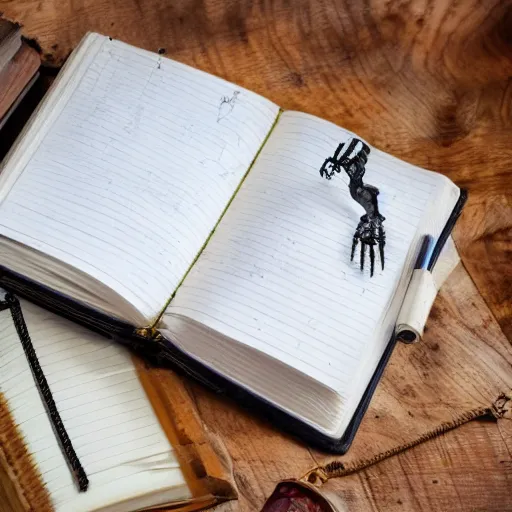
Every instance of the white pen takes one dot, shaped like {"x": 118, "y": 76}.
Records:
{"x": 422, "y": 263}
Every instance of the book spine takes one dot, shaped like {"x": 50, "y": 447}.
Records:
{"x": 201, "y": 250}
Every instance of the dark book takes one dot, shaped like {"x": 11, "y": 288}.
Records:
{"x": 10, "y": 41}
{"x": 16, "y": 78}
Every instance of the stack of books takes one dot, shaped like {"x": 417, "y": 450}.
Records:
{"x": 19, "y": 65}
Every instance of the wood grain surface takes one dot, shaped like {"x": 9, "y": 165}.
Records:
{"x": 467, "y": 469}
{"x": 429, "y": 81}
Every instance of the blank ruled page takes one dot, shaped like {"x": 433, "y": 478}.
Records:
{"x": 133, "y": 170}
{"x": 107, "y": 415}
{"x": 277, "y": 275}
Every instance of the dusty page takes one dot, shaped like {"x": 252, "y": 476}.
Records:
{"x": 127, "y": 175}
{"x": 277, "y": 275}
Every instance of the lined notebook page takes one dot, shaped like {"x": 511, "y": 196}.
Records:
{"x": 277, "y": 274}
{"x": 130, "y": 177}
{"x": 111, "y": 423}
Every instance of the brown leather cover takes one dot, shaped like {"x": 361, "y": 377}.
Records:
{"x": 204, "y": 459}
{"x": 16, "y": 75}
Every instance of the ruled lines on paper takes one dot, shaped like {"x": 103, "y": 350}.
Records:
{"x": 136, "y": 170}
{"x": 105, "y": 410}
{"x": 277, "y": 274}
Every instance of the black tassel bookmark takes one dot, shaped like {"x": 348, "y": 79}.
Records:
{"x": 21, "y": 327}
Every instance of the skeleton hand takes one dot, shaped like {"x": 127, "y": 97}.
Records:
{"x": 328, "y": 168}
{"x": 370, "y": 233}
{"x": 352, "y": 156}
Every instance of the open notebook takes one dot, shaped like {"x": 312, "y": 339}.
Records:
{"x": 128, "y": 458}
{"x": 186, "y": 216}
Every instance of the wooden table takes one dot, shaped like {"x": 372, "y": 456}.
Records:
{"x": 427, "y": 80}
